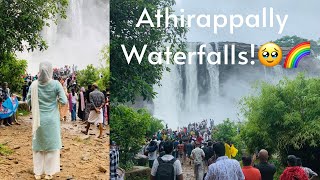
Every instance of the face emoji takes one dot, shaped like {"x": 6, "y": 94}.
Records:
{"x": 270, "y": 54}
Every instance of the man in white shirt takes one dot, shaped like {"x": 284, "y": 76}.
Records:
{"x": 224, "y": 168}
{"x": 152, "y": 151}
{"x": 169, "y": 168}
{"x": 197, "y": 155}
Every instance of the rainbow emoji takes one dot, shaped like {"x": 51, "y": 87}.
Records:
{"x": 296, "y": 54}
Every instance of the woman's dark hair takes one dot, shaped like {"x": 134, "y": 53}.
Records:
{"x": 73, "y": 93}
{"x": 292, "y": 160}
{"x": 246, "y": 160}
{"x": 299, "y": 162}
{"x": 168, "y": 147}
{"x": 219, "y": 149}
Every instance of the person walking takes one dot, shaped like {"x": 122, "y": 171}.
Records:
{"x": 96, "y": 100}
{"x": 82, "y": 106}
{"x": 250, "y": 173}
{"x": 63, "y": 108}
{"x": 266, "y": 169}
{"x": 181, "y": 150}
{"x": 293, "y": 171}
{"x": 166, "y": 167}
{"x": 152, "y": 151}
{"x": 197, "y": 155}
{"x": 87, "y": 103}
{"x": 114, "y": 160}
{"x": 224, "y": 168}
{"x": 74, "y": 99}
{"x": 44, "y": 95}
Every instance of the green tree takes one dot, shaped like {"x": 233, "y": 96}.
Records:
{"x": 104, "y": 82}
{"x": 21, "y": 23}
{"x": 290, "y": 41}
{"x": 155, "y": 126}
{"x": 284, "y": 119}
{"x": 130, "y": 81}
{"x": 128, "y": 128}
{"x": 225, "y": 131}
{"x": 12, "y": 71}
{"x": 88, "y": 76}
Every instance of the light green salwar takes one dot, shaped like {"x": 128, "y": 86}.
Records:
{"x": 48, "y": 135}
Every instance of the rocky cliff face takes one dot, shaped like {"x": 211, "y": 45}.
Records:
{"x": 309, "y": 65}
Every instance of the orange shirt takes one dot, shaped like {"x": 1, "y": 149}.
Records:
{"x": 251, "y": 173}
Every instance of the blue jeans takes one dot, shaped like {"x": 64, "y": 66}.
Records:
{"x": 73, "y": 112}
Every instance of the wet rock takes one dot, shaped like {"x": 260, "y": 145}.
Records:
{"x": 30, "y": 171}
{"x": 85, "y": 157}
{"x": 69, "y": 178}
{"x": 102, "y": 169}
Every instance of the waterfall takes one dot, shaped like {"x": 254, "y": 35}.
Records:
{"x": 77, "y": 40}
{"x": 50, "y": 32}
{"x": 193, "y": 92}
{"x": 179, "y": 99}
{"x": 76, "y": 17}
{"x": 213, "y": 72}
{"x": 169, "y": 96}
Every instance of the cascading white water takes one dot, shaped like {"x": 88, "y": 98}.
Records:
{"x": 192, "y": 92}
{"x": 168, "y": 98}
{"x": 50, "y": 33}
{"x": 213, "y": 72}
{"x": 179, "y": 105}
{"x": 76, "y": 17}
{"x": 210, "y": 91}
{"x": 76, "y": 40}
{"x": 200, "y": 88}
{"x": 278, "y": 72}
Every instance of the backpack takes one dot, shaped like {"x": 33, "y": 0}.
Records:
{"x": 152, "y": 146}
{"x": 165, "y": 169}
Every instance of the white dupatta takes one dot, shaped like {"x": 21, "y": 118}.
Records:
{"x": 44, "y": 77}
{"x": 35, "y": 108}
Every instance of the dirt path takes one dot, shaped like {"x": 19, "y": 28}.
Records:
{"x": 81, "y": 157}
{"x": 188, "y": 173}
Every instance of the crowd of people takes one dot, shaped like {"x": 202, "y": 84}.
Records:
{"x": 168, "y": 151}
{"x": 53, "y": 95}
{"x": 78, "y": 97}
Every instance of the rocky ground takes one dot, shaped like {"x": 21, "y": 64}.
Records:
{"x": 82, "y": 157}
{"x": 188, "y": 171}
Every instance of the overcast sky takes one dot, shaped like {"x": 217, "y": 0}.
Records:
{"x": 303, "y": 19}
